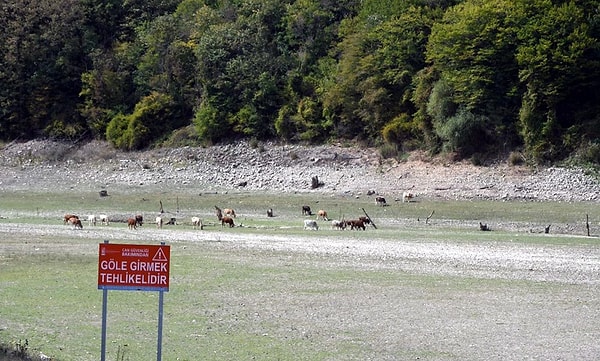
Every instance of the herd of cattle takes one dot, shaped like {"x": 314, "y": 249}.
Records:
{"x": 227, "y": 215}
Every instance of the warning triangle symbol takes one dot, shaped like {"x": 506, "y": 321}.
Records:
{"x": 160, "y": 256}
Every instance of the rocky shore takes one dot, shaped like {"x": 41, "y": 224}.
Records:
{"x": 274, "y": 167}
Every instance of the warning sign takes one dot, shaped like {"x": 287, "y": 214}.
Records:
{"x": 133, "y": 267}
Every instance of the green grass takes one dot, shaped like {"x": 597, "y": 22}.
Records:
{"x": 229, "y": 304}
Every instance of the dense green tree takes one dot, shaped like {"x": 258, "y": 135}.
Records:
{"x": 375, "y": 77}
{"x": 556, "y": 51}
{"x": 473, "y": 49}
{"x": 108, "y": 88}
{"x": 40, "y": 66}
{"x": 241, "y": 69}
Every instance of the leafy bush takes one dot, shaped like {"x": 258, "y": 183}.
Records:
{"x": 388, "y": 151}
{"x": 153, "y": 117}
{"x": 210, "y": 124}
{"x": 463, "y": 133}
{"x": 589, "y": 153}
{"x": 186, "y": 136}
{"x": 516, "y": 158}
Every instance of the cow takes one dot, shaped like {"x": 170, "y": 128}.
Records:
{"x": 103, "y": 219}
{"x": 197, "y": 223}
{"x": 366, "y": 220}
{"x": 335, "y": 224}
{"x": 229, "y": 212}
{"x": 227, "y": 220}
{"x": 356, "y": 224}
{"x": 139, "y": 220}
{"x": 311, "y": 224}
{"x": 132, "y": 223}
{"x": 159, "y": 222}
{"x": 380, "y": 201}
{"x": 75, "y": 222}
{"x": 172, "y": 221}
{"x": 321, "y": 214}
{"x": 306, "y": 211}
{"x": 407, "y": 196}
{"x": 69, "y": 216}
{"x": 92, "y": 220}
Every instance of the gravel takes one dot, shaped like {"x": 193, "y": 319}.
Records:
{"x": 276, "y": 168}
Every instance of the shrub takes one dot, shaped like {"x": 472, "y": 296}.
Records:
{"x": 145, "y": 125}
{"x": 463, "y": 133}
{"x": 186, "y": 136}
{"x": 388, "y": 151}
{"x": 210, "y": 123}
{"x": 516, "y": 158}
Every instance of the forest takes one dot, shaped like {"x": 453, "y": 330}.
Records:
{"x": 473, "y": 78}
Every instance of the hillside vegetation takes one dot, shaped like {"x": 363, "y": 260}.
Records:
{"x": 473, "y": 78}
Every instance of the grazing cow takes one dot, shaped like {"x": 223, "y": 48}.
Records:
{"x": 229, "y": 212}
{"x": 159, "y": 222}
{"x": 197, "y": 222}
{"x": 75, "y": 222}
{"x": 132, "y": 223}
{"x": 311, "y": 225}
{"x": 92, "y": 220}
{"x": 380, "y": 201}
{"x": 407, "y": 196}
{"x": 306, "y": 211}
{"x": 103, "y": 219}
{"x": 322, "y": 215}
{"x": 356, "y": 224}
{"x": 172, "y": 221}
{"x": 335, "y": 224}
{"x": 139, "y": 220}
{"x": 227, "y": 220}
{"x": 366, "y": 220}
{"x": 69, "y": 216}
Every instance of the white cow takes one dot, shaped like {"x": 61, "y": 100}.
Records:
{"x": 159, "y": 222}
{"x": 91, "y": 220}
{"x": 407, "y": 196}
{"x": 103, "y": 219}
{"x": 311, "y": 224}
{"x": 197, "y": 222}
{"x": 336, "y": 224}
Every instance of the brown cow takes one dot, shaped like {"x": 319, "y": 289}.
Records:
{"x": 322, "y": 215}
{"x": 132, "y": 223}
{"x": 229, "y": 212}
{"x": 75, "y": 222}
{"x": 69, "y": 216}
{"x": 356, "y": 224}
{"x": 227, "y": 220}
{"x": 366, "y": 220}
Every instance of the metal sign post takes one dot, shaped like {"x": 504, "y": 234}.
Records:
{"x": 133, "y": 267}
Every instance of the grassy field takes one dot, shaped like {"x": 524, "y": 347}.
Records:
{"x": 234, "y": 303}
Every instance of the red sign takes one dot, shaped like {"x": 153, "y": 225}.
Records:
{"x": 133, "y": 267}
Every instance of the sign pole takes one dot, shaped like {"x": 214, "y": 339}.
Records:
{"x": 104, "y": 302}
{"x": 160, "y": 322}
{"x": 160, "y": 326}
{"x": 104, "y": 312}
